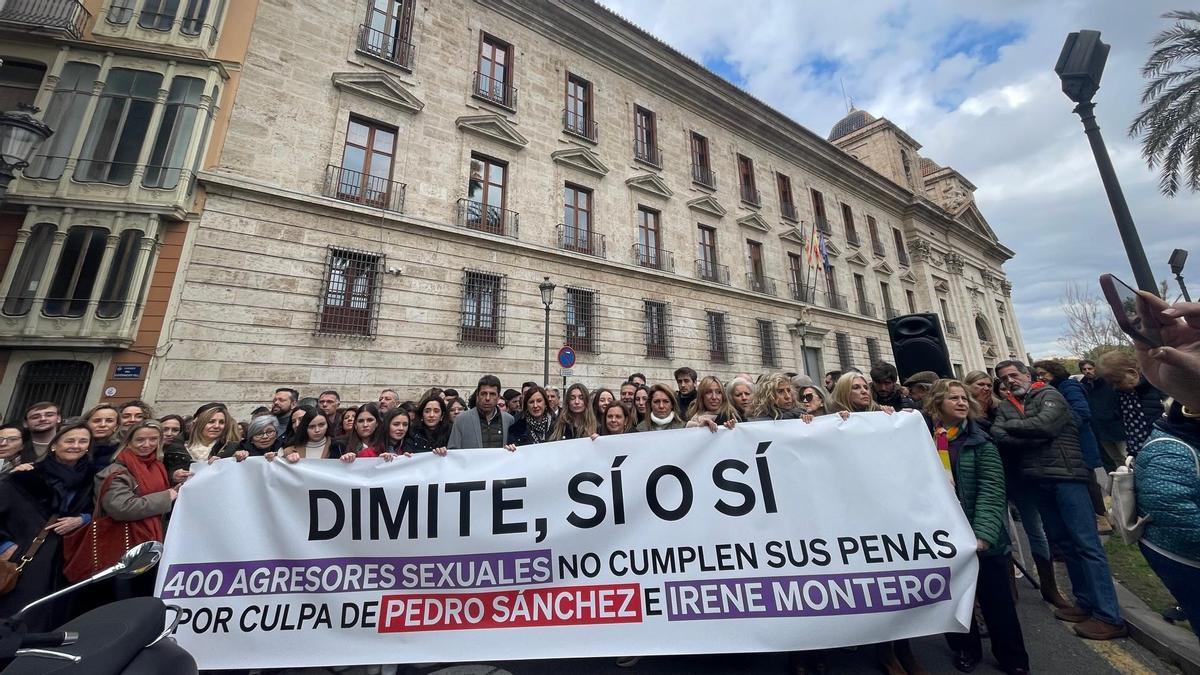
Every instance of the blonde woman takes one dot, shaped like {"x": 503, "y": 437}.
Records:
{"x": 740, "y": 393}
{"x": 852, "y": 393}
{"x": 774, "y": 399}
{"x": 102, "y": 421}
{"x": 212, "y": 430}
{"x": 711, "y": 407}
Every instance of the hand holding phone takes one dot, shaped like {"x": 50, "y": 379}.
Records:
{"x": 1125, "y": 303}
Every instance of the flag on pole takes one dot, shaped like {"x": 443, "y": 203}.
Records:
{"x": 824, "y": 253}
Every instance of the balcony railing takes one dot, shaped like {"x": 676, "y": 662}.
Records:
{"x": 750, "y": 195}
{"x": 63, "y": 16}
{"x": 902, "y": 255}
{"x": 475, "y": 215}
{"x": 649, "y": 154}
{"x": 866, "y": 308}
{"x": 891, "y": 312}
{"x": 836, "y": 301}
{"x": 951, "y": 328}
{"x": 385, "y": 47}
{"x": 788, "y": 210}
{"x": 653, "y": 257}
{"x": 711, "y": 271}
{"x": 802, "y": 293}
{"x": 1012, "y": 344}
{"x": 580, "y": 125}
{"x": 852, "y": 236}
{"x": 823, "y": 225}
{"x": 760, "y": 284}
{"x": 877, "y": 247}
{"x": 703, "y": 175}
{"x": 494, "y": 91}
{"x": 362, "y": 188}
{"x": 581, "y": 240}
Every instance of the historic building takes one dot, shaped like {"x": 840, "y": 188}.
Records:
{"x": 396, "y": 178}
{"x": 92, "y": 231}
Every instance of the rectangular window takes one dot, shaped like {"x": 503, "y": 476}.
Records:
{"x": 901, "y": 252}
{"x": 648, "y": 248}
{"x": 645, "y": 136}
{"x": 387, "y": 33}
{"x": 656, "y": 329}
{"x": 194, "y": 14}
{"x": 65, "y": 116}
{"x": 876, "y": 242}
{"x": 796, "y": 279}
{"x": 119, "y": 128}
{"x": 493, "y": 80}
{"x": 577, "y": 118}
{"x": 350, "y": 300}
{"x": 580, "y": 320}
{"x": 702, "y": 172}
{"x": 787, "y": 203}
{"x": 848, "y": 221}
{"x": 836, "y": 301}
{"x": 75, "y": 275}
{"x": 577, "y": 219}
{"x": 873, "y": 352}
{"x": 818, "y": 202}
{"x": 912, "y": 301}
{"x": 24, "y": 286}
{"x": 174, "y": 133}
{"x": 486, "y": 200}
{"x": 844, "y": 355}
{"x": 885, "y": 293}
{"x": 120, "y": 11}
{"x": 860, "y": 290}
{"x": 365, "y": 175}
{"x": 482, "y": 319}
{"x": 158, "y": 14}
{"x": 746, "y": 180}
{"x": 706, "y": 252}
{"x": 754, "y": 250}
{"x": 120, "y": 276}
{"x": 766, "y": 340}
{"x": 718, "y": 337}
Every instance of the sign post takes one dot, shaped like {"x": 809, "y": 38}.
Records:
{"x": 566, "y": 361}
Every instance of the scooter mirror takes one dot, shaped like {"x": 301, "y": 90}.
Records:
{"x": 139, "y": 559}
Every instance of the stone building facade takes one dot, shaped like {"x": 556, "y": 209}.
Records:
{"x": 398, "y": 177}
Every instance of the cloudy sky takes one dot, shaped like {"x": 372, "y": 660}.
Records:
{"x": 973, "y": 82}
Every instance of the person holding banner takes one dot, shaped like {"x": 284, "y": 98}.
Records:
{"x": 368, "y": 438}
{"x": 397, "y": 424}
{"x": 774, "y": 399}
{"x": 262, "y": 437}
{"x": 664, "y": 410}
{"x": 577, "y": 419}
{"x": 618, "y": 419}
{"x": 852, "y": 393}
{"x": 432, "y": 429}
{"x": 601, "y": 399}
{"x": 484, "y": 425}
{"x": 740, "y": 393}
{"x": 978, "y": 473}
{"x": 536, "y": 423}
{"x": 213, "y": 428}
{"x": 312, "y": 441}
{"x": 710, "y": 407}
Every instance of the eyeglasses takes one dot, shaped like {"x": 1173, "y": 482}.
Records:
{"x": 269, "y": 431}
{"x": 808, "y": 398}
{"x": 10, "y": 439}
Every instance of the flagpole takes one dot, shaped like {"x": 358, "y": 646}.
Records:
{"x": 809, "y": 256}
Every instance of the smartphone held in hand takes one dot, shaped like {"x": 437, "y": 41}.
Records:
{"x": 1124, "y": 302}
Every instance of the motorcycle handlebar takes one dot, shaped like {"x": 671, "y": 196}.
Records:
{"x": 53, "y": 639}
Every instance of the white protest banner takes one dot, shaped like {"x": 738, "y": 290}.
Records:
{"x": 768, "y": 537}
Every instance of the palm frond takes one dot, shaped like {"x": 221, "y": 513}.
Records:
{"x": 1169, "y": 122}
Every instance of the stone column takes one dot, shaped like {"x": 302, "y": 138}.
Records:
{"x": 14, "y": 259}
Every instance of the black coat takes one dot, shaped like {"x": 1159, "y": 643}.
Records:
{"x": 520, "y": 434}
{"x": 422, "y": 439}
{"x": 27, "y": 501}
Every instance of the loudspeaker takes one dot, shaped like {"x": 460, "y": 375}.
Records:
{"x": 918, "y": 344}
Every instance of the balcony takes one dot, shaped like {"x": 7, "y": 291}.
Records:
{"x": 702, "y": 175}
{"x": 788, "y": 210}
{"x": 837, "y": 301}
{"x": 581, "y": 240}
{"x": 385, "y": 47}
{"x": 891, "y": 312}
{"x": 852, "y": 236}
{"x": 653, "y": 257}
{"x": 66, "y": 17}
{"x": 951, "y": 328}
{"x": 750, "y": 195}
{"x": 823, "y": 225}
{"x": 189, "y": 26}
{"x": 580, "y": 125}
{"x": 802, "y": 293}
{"x": 482, "y": 217}
{"x": 494, "y": 91}
{"x": 360, "y": 188}
{"x": 648, "y": 154}
{"x": 866, "y": 308}
{"x": 168, "y": 188}
{"x": 760, "y": 284}
{"x": 711, "y": 271}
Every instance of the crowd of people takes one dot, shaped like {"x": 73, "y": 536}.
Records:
{"x": 1029, "y": 436}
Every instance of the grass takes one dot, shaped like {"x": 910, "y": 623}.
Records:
{"x": 1132, "y": 570}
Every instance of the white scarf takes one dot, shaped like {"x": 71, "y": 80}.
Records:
{"x": 662, "y": 421}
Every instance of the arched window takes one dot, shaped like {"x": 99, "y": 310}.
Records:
{"x": 982, "y": 330}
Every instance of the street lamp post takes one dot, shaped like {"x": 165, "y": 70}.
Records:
{"x": 1080, "y": 66}
{"x": 1177, "y": 261}
{"x": 547, "y": 289}
{"x": 20, "y": 136}
{"x": 800, "y": 328}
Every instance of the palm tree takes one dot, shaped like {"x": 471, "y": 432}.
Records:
{"x": 1169, "y": 125}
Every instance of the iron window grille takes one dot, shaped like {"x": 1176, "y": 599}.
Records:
{"x": 873, "y": 352}
{"x": 766, "y": 338}
{"x": 580, "y": 320}
{"x": 657, "y": 315}
{"x": 483, "y": 308}
{"x": 718, "y": 338}
{"x": 843, "y": 347}
{"x": 63, "y": 382}
{"x": 349, "y": 302}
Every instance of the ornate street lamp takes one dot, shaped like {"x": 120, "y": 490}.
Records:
{"x": 20, "y": 136}
{"x": 1177, "y": 261}
{"x": 1080, "y": 66}
{"x": 547, "y": 289}
{"x": 800, "y": 328}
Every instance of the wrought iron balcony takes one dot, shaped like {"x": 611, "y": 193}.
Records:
{"x": 891, "y": 312}
{"x": 580, "y": 125}
{"x": 866, "y": 308}
{"x": 361, "y": 188}
{"x": 385, "y": 47}
{"x": 837, "y": 301}
{"x": 711, "y": 271}
{"x": 852, "y": 236}
{"x": 760, "y": 284}
{"x": 877, "y": 247}
{"x": 788, "y": 210}
{"x": 649, "y": 154}
{"x": 750, "y": 195}
{"x": 68, "y": 17}
{"x": 823, "y": 225}
{"x": 581, "y": 240}
{"x": 803, "y": 293}
{"x": 702, "y": 175}
{"x": 495, "y": 91}
{"x": 475, "y": 215}
{"x": 951, "y": 328}
{"x": 653, "y": 257}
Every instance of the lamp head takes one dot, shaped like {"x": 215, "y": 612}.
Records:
{"x": 1081, "y": 65}
{"x": 1177, "y": 261}
{"x": 547, "y": 289}
{"x": 20, "y": 135}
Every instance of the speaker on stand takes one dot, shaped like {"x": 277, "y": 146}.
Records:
{"x": 919, "y": 344}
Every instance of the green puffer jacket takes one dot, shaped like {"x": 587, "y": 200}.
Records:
{"x": 1045, "y": 439}
{"x": 979, "y": 483}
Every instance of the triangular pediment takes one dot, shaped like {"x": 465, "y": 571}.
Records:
{"x": 941, "y": 286}
{"x": 793, "y": 235}
{"x": 908, "y": 278}
{"x": 707, "y": 204}
{"x": 884, "y": 268}
{"x": 650, "y": 183}
{"x": 379, "y": 87}
{"x": 494, "y": 127}
{"x": 580, "y": 158}
{"x": 832, "y": 249}
{"x": 755, "y": 221}
{"x": 974, "y": 221}
{"x": 857, "y": 258}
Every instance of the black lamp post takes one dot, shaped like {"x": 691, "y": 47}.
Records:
{"x": 20, "y": 135}
{"x": 547, "y": 289}
{"x": 800, "y": 328}
{"x": 1080, "y": 66}
{"x": 1177, "y": 261}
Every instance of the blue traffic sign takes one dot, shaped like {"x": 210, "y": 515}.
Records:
{"x": 566, "y": 357}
